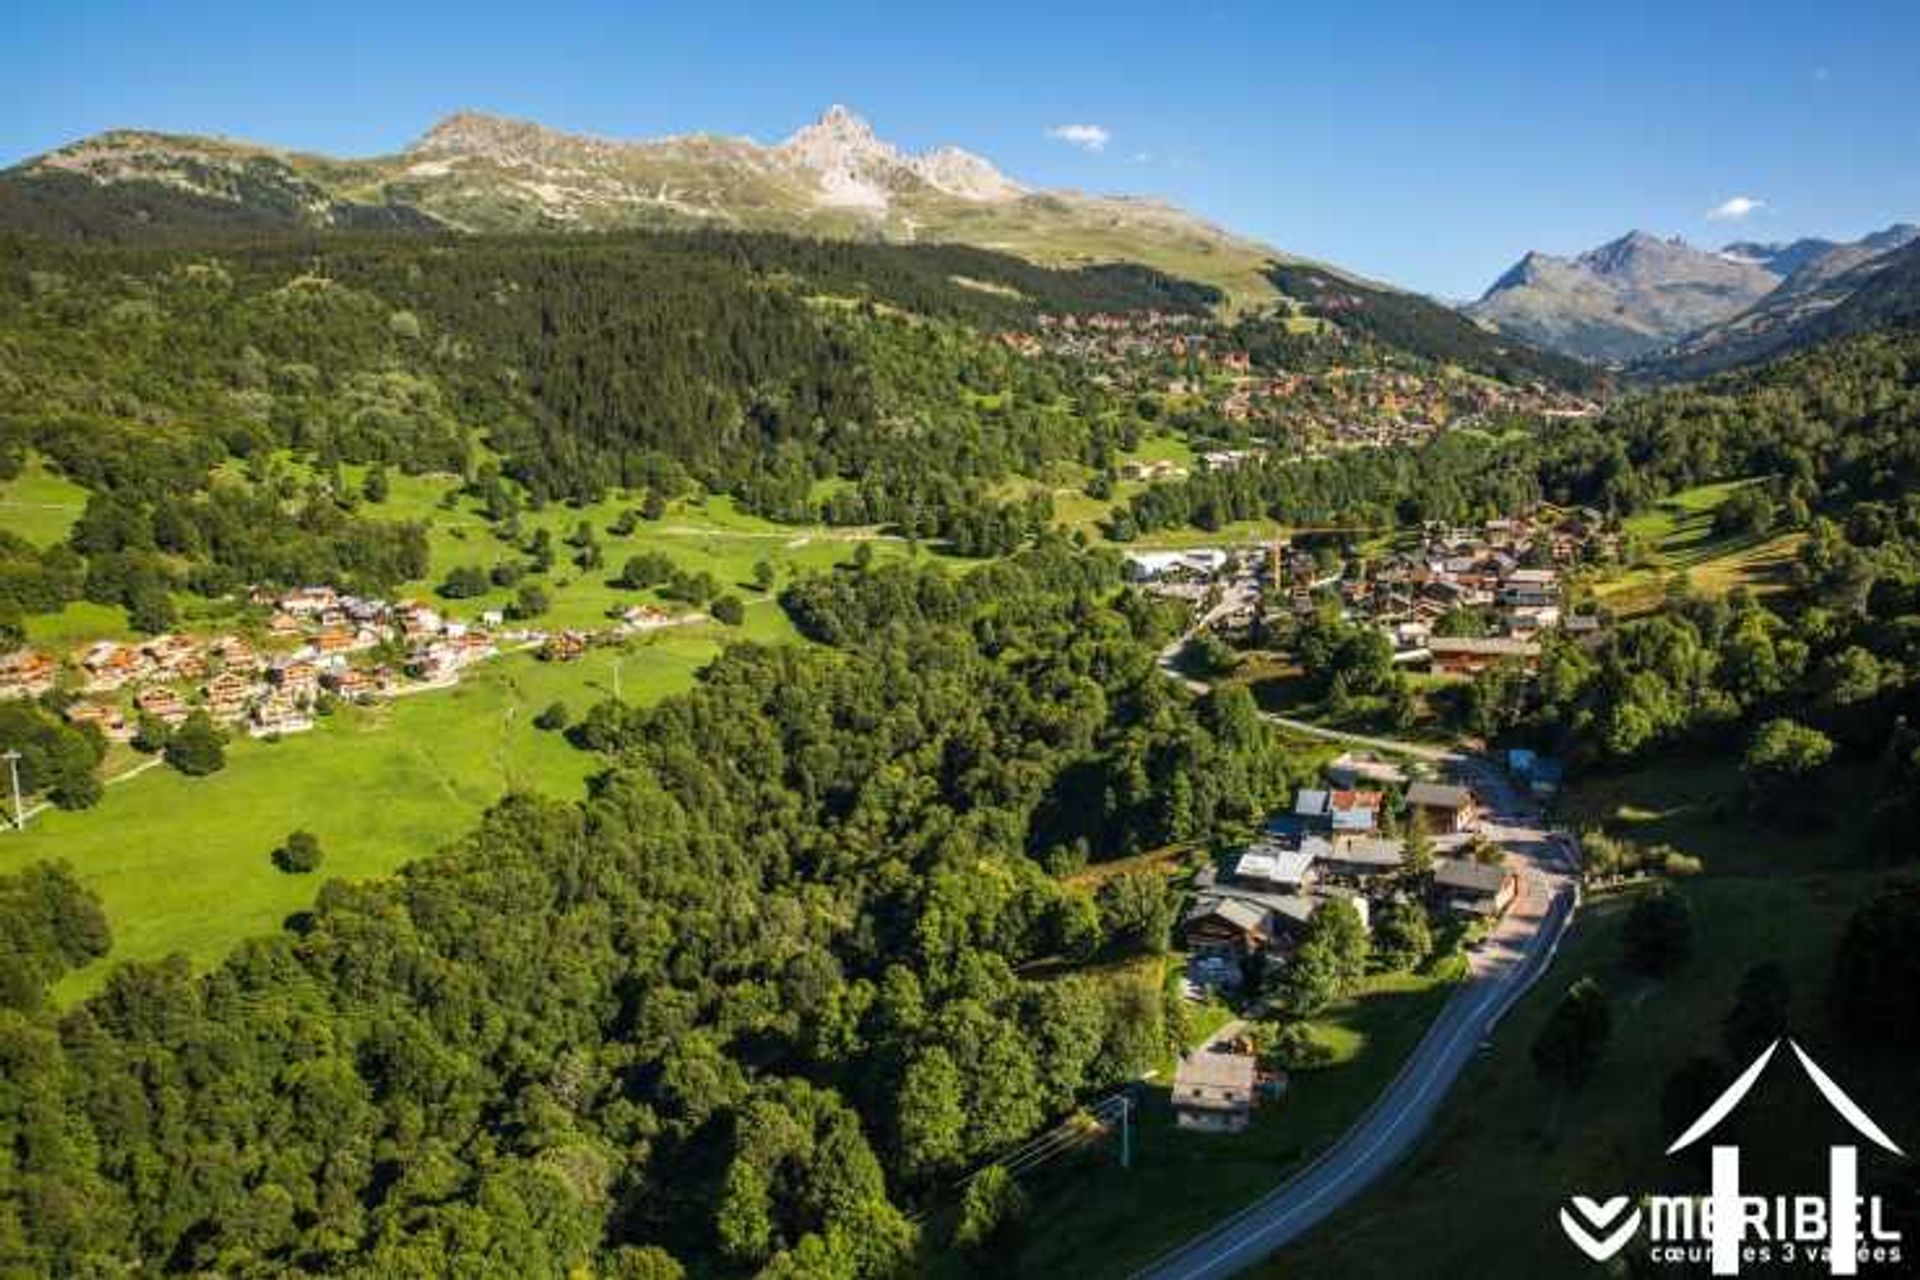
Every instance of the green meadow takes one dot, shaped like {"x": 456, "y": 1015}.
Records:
{"x": 40, "y": 505}
{"x": 698, "y": 534}
{"x": 182, "y": 864}
{"x": 1679, "y": 538}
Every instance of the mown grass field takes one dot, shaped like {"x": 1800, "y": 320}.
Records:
{"x": 1094, "y": 1219}
{"x": 1678, "y": 532}
{"x": 40, "y": 505}
{"x": 182, "y": 863}
{"x": 1480, "y": 1196}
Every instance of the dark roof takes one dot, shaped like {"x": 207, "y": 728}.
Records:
{"x": 1242, "y": 915}
{"x": 1295, "y": 907}
{"x": 1477, "y": 877}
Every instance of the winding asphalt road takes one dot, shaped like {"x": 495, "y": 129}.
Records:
{"x": 1502, "y": 969}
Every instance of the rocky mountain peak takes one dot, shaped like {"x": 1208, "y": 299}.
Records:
{"x": 1531, "y": 267}
{"x": 1624, "y": 253}
{"x": 481, "y": 135}
{"x": 839, "y": 139}
{"x": 1623, "y": 298}
{"x": 857, "y": 169}
{"x": 964, "y": 174}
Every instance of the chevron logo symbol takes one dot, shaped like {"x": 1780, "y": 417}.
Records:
{"x": 1600, "y": 1229}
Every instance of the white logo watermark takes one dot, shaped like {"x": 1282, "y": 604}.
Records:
{"x": 1727, "y": 1228}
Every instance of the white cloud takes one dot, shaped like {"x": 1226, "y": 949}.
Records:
{"x": 1087, "y": 137}
{"x": 1734, "y": 209}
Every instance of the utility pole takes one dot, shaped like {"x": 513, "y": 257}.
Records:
{"x": 1126, "y": 1131}
{"x": 19, "y": 810}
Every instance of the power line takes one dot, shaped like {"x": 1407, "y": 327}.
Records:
{"x": 1089, "y": 1125}
{"x": 19, "y": 811}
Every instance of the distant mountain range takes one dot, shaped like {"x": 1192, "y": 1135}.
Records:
{"x": 1658, "y": 305}
{"x": 1848, "y": 292}
{"x": 476, "y": 172}
{"x": 1641, "y": 298}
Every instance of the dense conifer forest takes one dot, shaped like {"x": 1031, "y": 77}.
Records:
{"x": 751, "y": 1004}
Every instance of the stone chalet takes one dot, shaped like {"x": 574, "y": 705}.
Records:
{"x": 1447, "y": 809}
{"x": 1267, "y": 864}
{"x": 228, "y": 695}
{"x": 1468, "y": 655}
{"x": 352, "y": 683}
{"x": 175, "y": 657}
{"x": 1214, "y": 1091}
{"x": 298, "y": 680}
{"x": 1242, "y": 922}
{"x": 110, "y": 666}
{"x": 1342, "y": 812}
{"x": 1534, "y": 588}
{"x": 235, "y": 654}
{"x": 1353, "y": 812}
{"x": 308, "y": 601}
{"x": 279, "y": 714}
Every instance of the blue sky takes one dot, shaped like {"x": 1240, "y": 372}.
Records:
{"x": 1428, "y": 145}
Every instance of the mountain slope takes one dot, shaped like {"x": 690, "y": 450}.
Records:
{"x": 1420, "y": 325}
{"x": 1631, "y": 300}
{"x": 1623, "y": 299}
{"x": 1838, "y": 294}
{"x": 482, "y": 173}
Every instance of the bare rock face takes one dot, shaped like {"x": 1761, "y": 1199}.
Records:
{"x": 1622, "y": 299}
{"x": 857, "y": 169}
{"x": 1636, "y": 297}
{"x": 961, "y": 173}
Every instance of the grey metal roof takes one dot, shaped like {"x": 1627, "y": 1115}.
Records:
{"x": 1212, "y": 1070}
{"x": 1377, "y": 851}
{"x": 1439, "y": 795}
{"x": 1459, "y": 873}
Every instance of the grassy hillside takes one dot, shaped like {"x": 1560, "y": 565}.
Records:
{"x": 1678, "y": 535}
{"x": 40, "y": 505}
{"x": 182, "y": 863}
